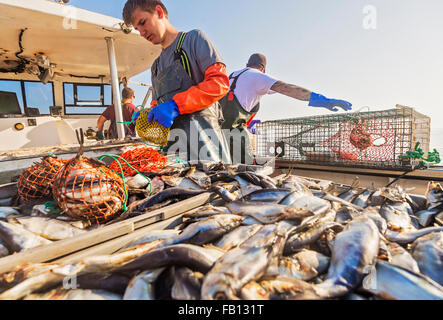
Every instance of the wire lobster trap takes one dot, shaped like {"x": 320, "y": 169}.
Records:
{"x": 374, "y": 139}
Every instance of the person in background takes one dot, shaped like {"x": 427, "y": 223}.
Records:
{"x": 188, "y": 79}
{"x": 247, "y": 87}
{"x": 128, "y": 110}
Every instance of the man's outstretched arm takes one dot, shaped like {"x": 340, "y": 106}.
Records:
{"x": 315, "y": 99}
{"x": 291, "y": 90}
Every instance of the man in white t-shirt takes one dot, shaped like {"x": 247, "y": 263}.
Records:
{"x": 241, "y": 104}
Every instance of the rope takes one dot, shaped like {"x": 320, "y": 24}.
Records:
{"x": 133, "y": 116}
{"x": 178, "y": 160}
{"x": 125, "y": 208}
{"x": 418, "y": 154}
{"x": 52, "y": 207}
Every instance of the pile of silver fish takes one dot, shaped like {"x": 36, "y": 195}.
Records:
{"x": 259, "y": 238}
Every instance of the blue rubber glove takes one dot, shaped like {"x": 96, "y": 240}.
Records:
{"x": 135, "y": 117}
{"x": 251, "y": 126}
{"x": 164, "y": 113}
{"x": 317, "y": 100}
{"x": 100, "y": 135}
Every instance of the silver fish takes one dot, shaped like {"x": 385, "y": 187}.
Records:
{"x": 268, "y": 212}
{"x": 434, "y": 196}
{"x": 3, "y": 250}
{"x": 7, "y": 211}
{"x": 47, "y": 276}
{"x": 195, "y": 257}
{"x": 137, "y": 182}
{"x": 372, "y": 214}
{"x": 187, "y": 284}
{"x": 428, "y": 252}
{"x": 200, "y": 178}
{"x": 354, "y": 250}
{"x": 42, "y": 280}
{"x": 237, "y": 237}
{"x": 206, "y": 230}
{"x": 153, "y": 235}
{"x": 254, "y": 291}
{"x": 425, "y": 217}
{"x": 363, "y": 198}
{"x": 235, "y": 269}
{"x": 292, "y": 197}
{"x": 286, "y": 288}
{"x": 304, "y": 265}
{"x": 245, "y": 187}
{"x": 352, "y": 191}
{"x": 76, "y": 294}
{"x": 246, "y": 263}
{"x": 249, "y": 221}
{"x": 141, "y": 287}
{"x": 402, "y": 258}
{"x": 48, "y": 228}
{"x": 393, "y": 282}
{"x": 181, "y": 182}
{"x": 295, "y": 183}
{"x": 345, "y": 214}
{"x": 411, "y": 236}
{"x": 205, "y": 211}
{"x": 309, "y": 232}
{"x": 267, "y": 195}
{"x": 107, "y": 263}
{"x": 17, "y": 238}
{"x": 397, "y": 216}
{"x": 311, "y": 203}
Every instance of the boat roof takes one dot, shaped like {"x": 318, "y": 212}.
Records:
{"x": 73, "y": 39}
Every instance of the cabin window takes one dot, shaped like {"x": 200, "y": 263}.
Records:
{"x": 11, "y": 95}
{"x": 86, "y": 98}
{"x": 40, "y": 96}
{"x": 18, "y": 95}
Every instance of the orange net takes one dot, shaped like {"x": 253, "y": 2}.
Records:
{"x": 36, "y": 181}
{"x": 141, "y": 158}
{"x": 369, "y": 140}
{"x": 86, "y": 189}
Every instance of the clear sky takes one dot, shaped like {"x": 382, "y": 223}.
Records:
{"x": 375, "y": 53}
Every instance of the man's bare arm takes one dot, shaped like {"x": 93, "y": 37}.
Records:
{"x": 100, "y": 123}
{"x": 292, "y": 91}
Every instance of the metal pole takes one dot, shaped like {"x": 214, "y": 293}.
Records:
{"x": 115, "y": 88}
{"x": 148, "y": 94}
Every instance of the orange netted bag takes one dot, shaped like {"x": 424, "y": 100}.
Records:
{"x": 141, "y": 158}
{"x": 36, "y": 181}
{"x": 86, "y": 189}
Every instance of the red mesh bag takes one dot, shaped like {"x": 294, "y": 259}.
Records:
{"x": 364, "y": 141}
{"x": 141, "y": 158}
{"x": 88, "y": 190}
{"x": 36, "y": 181}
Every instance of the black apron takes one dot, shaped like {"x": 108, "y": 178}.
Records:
{"x": 196, "y": 136}
{"x": 233, "y": 126}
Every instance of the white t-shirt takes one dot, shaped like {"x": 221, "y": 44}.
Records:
{"x": 251, "y": 86}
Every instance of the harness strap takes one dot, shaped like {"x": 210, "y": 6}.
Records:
{"x": 234, "y": 84}
{"x": 181, "y": 54}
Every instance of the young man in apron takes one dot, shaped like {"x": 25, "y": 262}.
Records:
{"x": 242, "y": 103}
{"x": 188, "y": 79}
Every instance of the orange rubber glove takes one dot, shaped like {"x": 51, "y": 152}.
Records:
{"x": 214, "y": 87}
